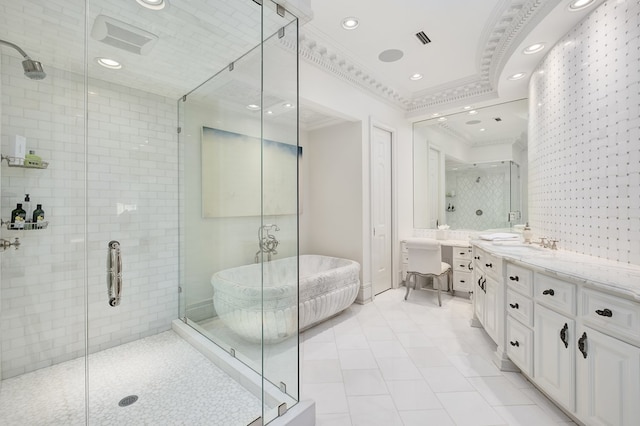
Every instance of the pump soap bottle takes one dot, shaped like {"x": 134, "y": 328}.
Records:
{"x": 527, "y": 233}
{"x": 26, "y": 205}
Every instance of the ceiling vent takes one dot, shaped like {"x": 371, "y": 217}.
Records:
{"x": 423, "y": 38}
{"x": 122, "y": 35}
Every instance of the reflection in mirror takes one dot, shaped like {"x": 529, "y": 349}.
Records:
{"x": 469, "y": 168}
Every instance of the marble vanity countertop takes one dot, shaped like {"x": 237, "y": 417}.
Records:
{"x": 620, "y": 278}
{"x": 449, "y": 242}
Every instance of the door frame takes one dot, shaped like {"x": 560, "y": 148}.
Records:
{"x": 374, "y": 123}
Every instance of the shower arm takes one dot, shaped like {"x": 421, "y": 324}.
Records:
{"x": 22, "y": 52}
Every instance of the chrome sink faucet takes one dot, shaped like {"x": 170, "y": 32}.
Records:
{"x": 548, "y": 243}
{"x": 267, "y": 243}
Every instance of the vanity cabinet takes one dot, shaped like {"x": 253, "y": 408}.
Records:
{"x": 488, "y": 294}
{"x": 554, "y": 355}
{"x": 579, "y": 343}
{"x": 462, "y": 269}
{"x": 519, "y": 318}
{"x": 608, "y": 379}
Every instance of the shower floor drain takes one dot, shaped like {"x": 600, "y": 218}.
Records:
{"x": 128, "y": 400}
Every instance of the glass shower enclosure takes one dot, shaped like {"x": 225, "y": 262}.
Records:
{"x": 161, "y": 142}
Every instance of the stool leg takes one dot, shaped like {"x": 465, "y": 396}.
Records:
{"x": 407, "y": 283}
{"x": 439, "y": 300}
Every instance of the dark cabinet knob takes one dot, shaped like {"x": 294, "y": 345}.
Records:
{"x": 514, "y": 305}
{"x": 605, "y": 312}
{"x": 516, "y": 343}
{"x": 549, "y": 292}
{"x": 516, "y": 278}
{"x": 488, "y": 265}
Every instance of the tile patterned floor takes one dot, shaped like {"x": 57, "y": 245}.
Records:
{"x": 411, "y": 363}
{"x": 175, "y": 383}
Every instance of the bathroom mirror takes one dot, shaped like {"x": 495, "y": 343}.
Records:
{"x": 469, "y": 168}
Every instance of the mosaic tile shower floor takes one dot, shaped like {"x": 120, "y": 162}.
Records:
{"x": 175, "y": 383}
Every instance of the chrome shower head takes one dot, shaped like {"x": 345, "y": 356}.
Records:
{"x": 32, "y": 69}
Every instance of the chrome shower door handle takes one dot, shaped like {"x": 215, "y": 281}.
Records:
{"x": 114, "y": 273}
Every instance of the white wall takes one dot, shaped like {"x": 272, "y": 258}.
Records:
{"x": 584, "y": 155}
{"x": 131, "y": 185}
{"x": 335, "y": 184}
{"x": 327, "y": 91}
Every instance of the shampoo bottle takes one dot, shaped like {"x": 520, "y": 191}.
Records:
{"x": 18, "y": 216}
{"x": 38, "y": 216}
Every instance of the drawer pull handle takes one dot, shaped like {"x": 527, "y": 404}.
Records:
{"x": 476, "y": 257}
{"x": 581, "y": 345}
{"x": 563, "y": 335}
{"x": 461, "y": 281}
{"x": 516, "y": 343}
{"x": 516, "y": 278}
{"x": 462, "y": 253}
{"x": 514, "y": 305}
{"x": 463, "y": 266}
{"x": 550, "y": 292}
{"x": 605, "y": 312}
{"x": 489, "y": 265}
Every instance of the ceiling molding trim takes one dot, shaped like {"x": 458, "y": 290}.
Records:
{"x": 315, "y": 52}
{"x": 510, "y": 22}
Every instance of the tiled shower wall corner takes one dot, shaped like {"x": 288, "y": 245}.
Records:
{"x": 132, "y": 192}
{"x": 488, "y": 196}
{"x": 584, "y": 129}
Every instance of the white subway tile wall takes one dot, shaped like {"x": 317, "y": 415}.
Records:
{"x": 131, "y": 193}
{"x": 584, "y": 133}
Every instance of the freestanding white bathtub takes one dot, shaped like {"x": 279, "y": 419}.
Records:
{"x": 328, "y": 285}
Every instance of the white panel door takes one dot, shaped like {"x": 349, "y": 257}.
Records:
{"x": 608, "y": 380}
{"x": 554, "y": 355}
{"x": 381, "y": 209}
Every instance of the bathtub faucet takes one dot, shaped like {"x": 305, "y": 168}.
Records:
{"x": 267, "y": 243}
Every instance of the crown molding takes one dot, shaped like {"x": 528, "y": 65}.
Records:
{"x": 509, "y": 24}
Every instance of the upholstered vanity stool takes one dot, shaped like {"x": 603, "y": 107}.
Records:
{"x": 425, "y": 260}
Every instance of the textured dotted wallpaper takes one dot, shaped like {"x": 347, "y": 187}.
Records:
{"x": 584, "y": 137}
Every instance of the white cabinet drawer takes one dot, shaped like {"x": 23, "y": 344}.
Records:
{"x": 520, "y": 307}
{"x": 520, "y": 279}
{"x": 462, "y": 265}
{"x": 462, "y": 253}
{"x": 555, "y": 293}
{"x": 462, "y": 281}
{"x": 490, "y": 264}
{"x": 520, "y": 345}
{"x": 611, "y": 315}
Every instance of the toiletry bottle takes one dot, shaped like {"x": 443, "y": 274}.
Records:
{"x": 527, "y": 233}
{"x": 26, "y": 206}
{"x": 18, "y": 216}
{"x": 38, "y": 216}
{"x": 32, "y": 160}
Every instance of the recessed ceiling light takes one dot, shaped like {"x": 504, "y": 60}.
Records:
{"x": 269, "y": 112}
{"x": 435, "y": 114}
{"x": 517, "y": 76}
{"x": 483, "y": 129}
{"x": 289, "y": 105}
{"x": 579, "y": 5}
{"x": 350, "y": 23}
{"x": 473, "y": 112}
{"x": 467, "y": 107}
{"x": 152, "y": 4}
{"x": 253, "y": 107}
{"x": 416, "y": 76}
{"x": 442, "y": 119}
{"x": 109, "y": 63}
{"x": 534, "y": 48}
